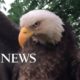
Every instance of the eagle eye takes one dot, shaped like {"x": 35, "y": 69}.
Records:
{"x": 35, "y": 25}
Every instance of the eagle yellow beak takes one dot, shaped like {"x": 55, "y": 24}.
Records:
{"x": 24, "y": 35}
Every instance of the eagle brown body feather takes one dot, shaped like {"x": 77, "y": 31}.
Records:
{"x": 8, "y": 44}
{"x": 54, "y": 62}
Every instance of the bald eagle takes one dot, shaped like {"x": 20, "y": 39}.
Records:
{"x": 44, "y": 33}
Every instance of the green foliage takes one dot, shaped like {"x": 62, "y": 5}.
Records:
{"x": 1, "y": 1}
{"x": 68, "y": 10}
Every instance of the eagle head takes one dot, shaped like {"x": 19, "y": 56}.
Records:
{"x": 42, "y": 26}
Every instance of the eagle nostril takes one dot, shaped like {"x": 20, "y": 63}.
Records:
{"x": 24, "y": 32}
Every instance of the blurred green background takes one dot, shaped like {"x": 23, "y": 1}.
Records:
{"x": 68, "y": 10}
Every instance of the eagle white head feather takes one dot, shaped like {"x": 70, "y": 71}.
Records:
{"x": 46, "y": 25}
